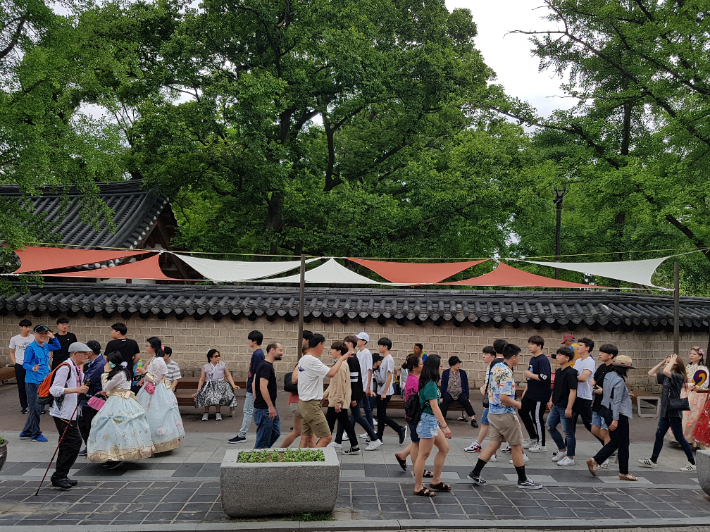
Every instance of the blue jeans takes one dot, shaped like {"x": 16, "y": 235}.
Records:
{"x": 557, "y": 415}
{"x": 248, "y": 413}
{"x": 267, "y": 430}
{"x": 676, "y": 426}
{"x": 367, "y": 404}
{"x": 32, "y": 426}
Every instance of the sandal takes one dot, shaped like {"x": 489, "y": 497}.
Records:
{"x": 628, "y": 477}
{"x": 402, "y": 463}
{"x": 440, "y": 487}
{"x": 424, "y": 492}
{"x": 427, "y": 474}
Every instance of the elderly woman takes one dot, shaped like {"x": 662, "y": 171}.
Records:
{"x": 454, "y": 389}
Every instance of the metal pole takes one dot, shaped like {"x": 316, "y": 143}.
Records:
{"x": 301, "y": 304}
{"x": 559, "y": 198}
{"x": 676, "y": 309}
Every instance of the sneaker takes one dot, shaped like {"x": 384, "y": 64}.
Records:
{"x": 474, "y": 423}
{"x": 25, "y": 435}
{"x": 352, "y": 450}
{"x": 83, "y": 452}
{"x": 363, "y": 436}
{"x": 335, "y": 445}
{"x": 375, "y": 421}
{"x": 566, "y": 461}
{"x": 238, "y": 439}
{"x": 24, "y": 411}
{"x": 477, "y": 481}
{"x": 605, "y": 464}
{"x": 647, "y": 462}
{"x": 218, "y": 416}
{"x": 688, "y": 467}
{"x": 345, "y": 437}
{"x": 525, "y": 456}
{"x": 40, "y": 438}
{"x": 505, "y": 449}
{"x": 559, "y": 455}
{"x": 374, "y": 445}
{"x": 537, "y": 448}
{"x": 402, "y": 435}
{"x": 115, "y": 465}
{"x": 475, "y": 447}
{"x": 494, "y": 458}
{"x": 529, "y": 484}
{"x": 462, "y": 417}
{"x": 529, "y": 443}
{"x": 205, "y": 416}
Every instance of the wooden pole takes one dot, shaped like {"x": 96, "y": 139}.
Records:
{"x": 301, "y": 305}
{"x": 676, "y": 309}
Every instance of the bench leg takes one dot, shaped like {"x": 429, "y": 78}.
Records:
{"x": 650, "y": 400}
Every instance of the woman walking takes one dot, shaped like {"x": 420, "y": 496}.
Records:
{"x": 120, "y": 430}
{"x": 673, "y": 377}
{"x": 431, "y": 429}
{"x": 617, "y": 410}
{"x": 695, "y": 391}
{"x": 339, "y": 396}
{"x": 212, "y": 390}
{"x": 159, "y": 401}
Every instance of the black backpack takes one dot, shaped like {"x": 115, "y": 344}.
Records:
{"x": 289, "y": 386}
{"x": 412, "y": 408}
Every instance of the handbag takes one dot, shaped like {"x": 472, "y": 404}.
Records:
{"x": 149, "y": 387}
{"x": 289, "y": 386}
{"x": 678, "y": 405}
{"x": 96, "y": 403}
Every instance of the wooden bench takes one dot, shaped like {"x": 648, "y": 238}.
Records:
{"x": 188, "y": 385}
{"x": 648, "y": 398}
{"x": 7, "y": 373}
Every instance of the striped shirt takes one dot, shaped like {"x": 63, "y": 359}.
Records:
{"x": 173, "y": 372}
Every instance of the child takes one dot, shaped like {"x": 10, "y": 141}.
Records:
{"x": 489, "y": 358}
{"x": 212, "y": 390}
{"x": 173, "y": 374}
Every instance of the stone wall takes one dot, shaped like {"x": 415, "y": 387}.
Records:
{"x": 191, "y": 339}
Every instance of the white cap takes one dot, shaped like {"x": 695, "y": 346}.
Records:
{"x": 364, "y": 336}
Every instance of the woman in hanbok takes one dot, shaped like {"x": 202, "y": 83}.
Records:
{"x": 696, "y": 392}
{"x": 120, "y": 430}
{"x": 216, "y": 386}
{"x": 160, "y": 403}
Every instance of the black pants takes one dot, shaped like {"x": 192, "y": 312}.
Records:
{"x": 382, "y": 418}
{"x": 68, "y": 449}
{"x": 619, "y": 441}
{"x": 583, "y": 408}
{"x": 355, "y": 417}
{"x": 532, "y": 413}
{"x": 462, "y": 400}
{"x": 343, "y": 418}
{"x": 87, "y": 416}
{"x": 20, "y": 376}
{"x": 676, "y": 426}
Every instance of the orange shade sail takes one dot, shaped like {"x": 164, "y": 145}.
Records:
{"x": 147, "y": 269}
{"x": 505, "y": 275}
{"x": 38, "y": 259}
{"x": 415, "y": 272}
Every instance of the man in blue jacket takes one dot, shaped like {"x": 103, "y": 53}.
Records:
{"x": 36, "y": 365}
{"x": 92, "y": 377}
{"x": 454, "y": 388}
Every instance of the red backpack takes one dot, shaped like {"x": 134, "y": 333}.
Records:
{"x": 43, "y": 395}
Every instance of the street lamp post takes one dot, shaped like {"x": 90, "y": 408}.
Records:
{"x": 559, "y": 198}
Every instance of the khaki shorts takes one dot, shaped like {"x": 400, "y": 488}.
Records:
{"x": 313, "y": 422}
{"x": 505, "y": 427}
{"x": 294, "y": 410}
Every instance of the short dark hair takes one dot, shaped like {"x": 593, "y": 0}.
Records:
{"x": 211, "y": 353}
{"x": 386, "y": 342}
{"x": 62, "y": 320}
{"x": 586, "y": 341}
{"x": 420, "y": 346}
{"x": 316, "y": 340}
{"x": 120, "y": 328}
{"x": 167, "y": 350}
{"x": 499, "y": 345}
{"x": 271, "y": 346}
{"x": 307, "y": 335}
{"x": 256, "y": 336}
{"x": 537, "y": 340}
{"x": 95, "y": 346}
{"x": 610, "y": 349}
{"x": 489, "y": 349}
{"x": 510, "y": 351}
{"x": 340, "y": 346}
{"x": 25, "y": 323}
{"x": 566, "y": 351}
{"x": 351, "y": 339}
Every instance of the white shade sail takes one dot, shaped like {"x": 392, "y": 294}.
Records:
{"x": 329, "y": 273}
{"x": 232, "y": 271}
{"x": 631, "y": 271}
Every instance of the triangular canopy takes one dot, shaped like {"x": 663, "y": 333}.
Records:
{"x": 505, "y": 275}
{"x": 415, "y": 273}
{"x": 631, "y": 271}
{"x": 147, "y": 269}
{"x": 329, "y": 273}
{"x": 37, "y": 259}
{"x": 228, "y": 271}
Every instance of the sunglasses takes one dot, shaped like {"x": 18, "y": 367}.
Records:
{"x": 216, "y": 356}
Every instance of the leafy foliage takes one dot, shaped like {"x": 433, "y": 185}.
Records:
{"x": 265, "y": 455}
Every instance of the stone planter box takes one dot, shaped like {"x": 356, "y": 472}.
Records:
{"x": 702, "y": 460}
{"x": 258, "y": 490}
{"x": 3, "y": 454}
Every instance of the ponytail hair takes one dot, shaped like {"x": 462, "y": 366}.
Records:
{"x": 116, "y": 358}
{"x": 157, "y": 345}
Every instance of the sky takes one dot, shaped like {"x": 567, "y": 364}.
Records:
{"x": 509, "y": 55}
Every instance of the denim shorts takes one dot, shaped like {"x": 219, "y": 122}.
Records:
{"x": 484, "y": 416}
{"x": 428, "y": 426}
{"x": 599, "y": 421}
{"x": 413, "y": 432}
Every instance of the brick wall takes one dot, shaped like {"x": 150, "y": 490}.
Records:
{"x": 191, "y": 339}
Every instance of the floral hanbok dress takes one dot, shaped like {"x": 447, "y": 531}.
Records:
{"x": 697, "y": 400}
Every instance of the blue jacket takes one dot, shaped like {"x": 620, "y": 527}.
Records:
{"x": 445, "y": 384}
{"x": 93, "y": 372}
{"x": 34, "y": 355}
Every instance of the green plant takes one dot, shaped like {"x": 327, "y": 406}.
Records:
{"x": 267, "y": 456}
{"x": 2, "y": 440}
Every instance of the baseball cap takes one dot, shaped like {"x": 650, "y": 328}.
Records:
{"x": 624, "y": 361}
{"x": 81, "y": 348}
{"x": 363, "y": 336}
{"x": 570, "y": 336}
{"x": 42, "y": 329}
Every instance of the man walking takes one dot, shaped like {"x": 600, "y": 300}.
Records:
{"x": 66, "y": 385}
{"x": 561, "y": 408}
{"x": 92, "y": 374}
{"x": 536, "y": 396}
{"x": 255, "y": 339}
{"x": 364, "y": 357}
{"x": 266, "y": 417}
{"x": 127, "y": 347}
{"x": 65, "y": 339}
{"x": 36, "y": 367}
{"x": 585, "y": 367}
{"x": 385, "y": 391}
{"x": 18, "y": 344}
{"x": 504, "y": 424}
{"x": 607, "y": 354}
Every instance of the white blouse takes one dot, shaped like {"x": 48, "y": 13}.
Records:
{"x": 118, "y": 381}
{"x": 157, "y": 368}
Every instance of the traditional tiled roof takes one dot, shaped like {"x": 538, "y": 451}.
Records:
{"x": 611, "y": 310}
{"x": 136, "y": 213}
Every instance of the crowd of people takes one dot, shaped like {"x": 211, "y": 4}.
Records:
{"x": 123, "y": 409}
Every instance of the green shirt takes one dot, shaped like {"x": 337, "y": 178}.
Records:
{"x": 426, "y": 394}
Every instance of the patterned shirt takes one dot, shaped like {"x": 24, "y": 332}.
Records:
{"x": 173, "y": 372}
{"x": 502, "y": 383}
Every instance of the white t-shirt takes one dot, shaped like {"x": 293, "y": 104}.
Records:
{"x": 386, "y": 367}
{"x": 311, "y": 372}
{"x": 19, "y": 344}
{"x": 365, "y": 359}
{"x": 584, "y": 389}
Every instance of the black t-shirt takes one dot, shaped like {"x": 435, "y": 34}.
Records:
{"x": 355, "y": 378}
{"x": 264, "y": 371}
{"x": 599, "y": 380}
{"x": 672, "y": 387}
{"x": 539, "y": 390}
{"x": 565, "y": 380}
{"x": 63, "y": 354}
{"x": 127, "y": 347}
